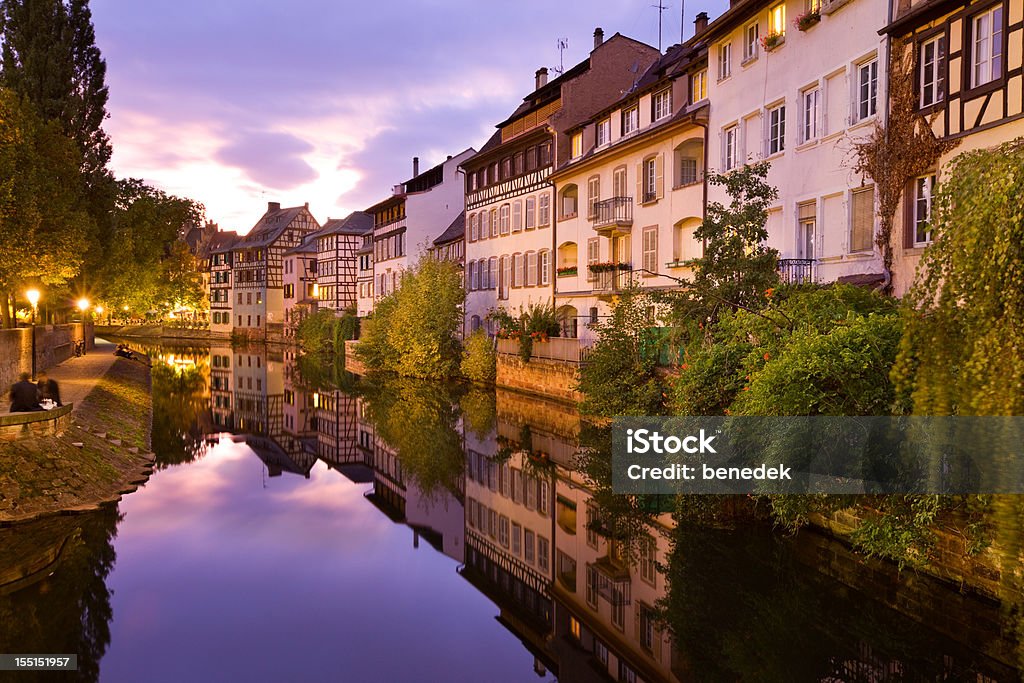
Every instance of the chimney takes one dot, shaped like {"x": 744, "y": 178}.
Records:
{"x": 273, "y": 206}
{"x": 700, "y": 23}
{"x": 542, "y": 77}
{"x": 415, "y": 166}
{"x": 598, "y": 37}
{"x": 306, "y": 206}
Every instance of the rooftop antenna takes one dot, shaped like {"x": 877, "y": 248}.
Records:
{"x": 682, "y": 19}
{"x": 563, "y": 45}
{"x": 661, "y": 9}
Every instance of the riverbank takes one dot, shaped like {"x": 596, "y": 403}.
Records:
{"x": 154, "y": 332}
{"x": 103, "y": 455}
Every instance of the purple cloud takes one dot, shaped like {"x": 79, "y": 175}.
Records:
{"x": 271, "y": 159}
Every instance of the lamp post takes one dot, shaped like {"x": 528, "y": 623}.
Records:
{"x": 33, "y": 298}
{"x": 83, "y": 306}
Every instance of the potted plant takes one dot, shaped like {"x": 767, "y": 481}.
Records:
{"x": 567, "y": 271}
{"x": 807, "y": 19}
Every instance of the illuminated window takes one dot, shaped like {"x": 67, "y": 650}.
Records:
{"x": 574, "y": 627}
{"x": 577, "y": 145}
{"x": 698, "y": 86}
{"x": 777, "y": 20}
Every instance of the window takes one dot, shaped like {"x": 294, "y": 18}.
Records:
{"x": 503, "y": 531}
{"x": 592, "y": 586}
{"x": 531, "y": 269}
{"x": 506, "y": 276}
{"x": 810, "y": 114}
{"x": 485, "y": 223}
{"x": 662, "y": 104}
{"x": 862, "y": 229}
{"x": 777, "y": 129}
{"x": 630, "y": 120}
{"x": 544, "y": 266}
{"x": 593, "y": 195}
{"x": 601, "y": 652}
{"x": 626, "y": 673}
{"x": 492, "y": 267}
{"x": 506, "y": 168}
{"x": 650, "y": 179}
{"x": 517, "y": 270}
{"x": 592, "y": 524}
{"x": 750, "y": 36}
{"x": 923, "y": 187}
{"x": 517, "y": 539}
{"x": 593, "y": 255}
{"x": 543, "y": 553}
{"x": 517, "y": 215}
{"x": 577, "y": 145}
{"x": 604, "y": 132}
{"x": 494, "y": 222}
{"x": 544, "y": 154}
{"x": 619, "y": 182}
{"x": 807, "y": 229}
{"x": 867, "y": 89}
{"x": 531, "y": 213}
{"x": 574, "y": 627}
{"x": 724, "y": 61}
{"x": 699, "y": 86}
{"x": 618, "y": 607}
{"x": 504, "y": 218}
{"x": 570, "y": 201}
{"x": 517, "y": 163}
{"x": 647, "y": 628}
{"x": 544, "y": 211}
{"x": 730, "y": 147}
{"x": 648, "y": 560}
{"x": 933, "y": 68}
{"x": 777, "y": 20}
{"x": 529, "y": 547}
{"x": 987, "y": 46}
{"x": 650, "y": 251}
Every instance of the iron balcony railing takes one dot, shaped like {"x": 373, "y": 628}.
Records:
{"x": 796, "y": 271}
{"x": 617, "y": 211}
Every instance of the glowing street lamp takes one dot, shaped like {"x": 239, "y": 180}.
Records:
{"x": 83, "y": 306}
{"x": 33, "y": 298}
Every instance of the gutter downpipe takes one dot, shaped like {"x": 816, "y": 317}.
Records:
{"x": 887, "y": 49}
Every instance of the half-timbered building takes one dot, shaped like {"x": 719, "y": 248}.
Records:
{"x": 968, "y": 72}
{"x": 221, "y": 257}
{"x": 258, "y": 306}
{"x": 336, "y": 267}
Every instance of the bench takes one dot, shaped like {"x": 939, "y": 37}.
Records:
{"x": 17, "y": 426}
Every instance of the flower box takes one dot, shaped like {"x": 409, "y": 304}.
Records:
{"x": 807, "y": 20}
{"x": 772, "y": 41}
{"x": 567, "y": 272}
{"x": 608, "y": 267}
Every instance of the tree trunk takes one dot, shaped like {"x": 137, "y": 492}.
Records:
{"x": 5, "y": 310}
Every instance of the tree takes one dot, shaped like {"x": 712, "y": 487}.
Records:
{"x": 736, "y": 268}
{"x": 43, "y": 224}
{"x": 182, "y": 280}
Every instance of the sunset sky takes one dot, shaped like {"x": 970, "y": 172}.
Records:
{"x": 235, "y": 103}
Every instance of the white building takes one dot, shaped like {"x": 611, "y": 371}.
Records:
{"x": 797, "y": 97}
{"x": 406, "y": 224}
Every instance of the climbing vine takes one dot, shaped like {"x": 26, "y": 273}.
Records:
{"x": 902, "y": 149}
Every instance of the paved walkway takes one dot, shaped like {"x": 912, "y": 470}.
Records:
{"x": 76, "y": 377}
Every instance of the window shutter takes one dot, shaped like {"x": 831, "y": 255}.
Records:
{"x": 636, "y": 621}
{"x": 909, "y": 198}
{"x": 639, "y": 196}
{"x": 806, "y": 211}
{"x": 520, "y": 280}
{"x": 862, "y": 229}
{"x": 659, "y": 173}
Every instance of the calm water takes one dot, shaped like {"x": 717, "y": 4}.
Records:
{"x": 303, "y": 526}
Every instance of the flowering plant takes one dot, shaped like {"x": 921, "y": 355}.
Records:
{"x": 772, "y": 40}
{"x": 807, "y": 19}
{"x": 566, "y": 271}
{"x": 607, "y": 267}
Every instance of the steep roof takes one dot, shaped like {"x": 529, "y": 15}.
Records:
{"x": 356, "y": 223}
{"x": 270, "y": 226}
{"x": 307, "y": 245}
{"x": 455, "y": 232}
{"x": 223, "y": 240}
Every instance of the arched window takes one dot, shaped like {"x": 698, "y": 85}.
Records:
{"x": 569, "y": 201}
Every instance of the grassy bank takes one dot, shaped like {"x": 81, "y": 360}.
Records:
{"x": 105, "y": 452}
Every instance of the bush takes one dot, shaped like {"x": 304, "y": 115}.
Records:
{"x": 537, "y": 322}
{"x": 479, "y": 362}
{"x": 325, "y": 332}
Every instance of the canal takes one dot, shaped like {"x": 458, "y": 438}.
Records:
{"x": 306, "y": 525}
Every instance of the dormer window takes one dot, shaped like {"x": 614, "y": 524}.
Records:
{"x": 604, "y": 132}
{"x": 699, "y": 86}
{"x": 630, "y": 120}
{"x": 577, "y": 145}
{"x": 661, "y": 104}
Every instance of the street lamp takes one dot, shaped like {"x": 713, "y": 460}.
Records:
{"x": 83, "y": 306}
{"x": 33, "y": 298}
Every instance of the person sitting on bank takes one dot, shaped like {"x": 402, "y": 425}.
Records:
{"x": 48, "y": 389}
{"x": 123, "y": 351}
{"x": 24, "y": 395}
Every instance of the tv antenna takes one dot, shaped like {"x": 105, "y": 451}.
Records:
{"x": 562, "y": 45}
{"x": 682, "y": 19}
{"x": 661, "y": 8}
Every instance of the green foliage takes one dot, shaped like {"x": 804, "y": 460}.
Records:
{"x": 536, "y": 322}
{"x": 182, "y": 280}
{"x": 325, "y": 332}
{"x": 736, "y": 267}
{"x": 412, "y": 332}
{"x": 618, "y": 377}
{"x": 479, "y": 362}
{"x": 479, "y": 411}
{"x": 962, "y": 350}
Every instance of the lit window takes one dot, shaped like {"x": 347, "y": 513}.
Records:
{"x": 662, "y": 102}
{"x": 724, "y": 61}
{"x": 987, "y": 47}
{"x": 604, "y": 132}
{"x": 698, "y": 86}
{"x": 777, "y": 129}
{"x": 574, "y": 627}
{"x": 577, "y": 145}
{"x": 933, "y": 66}
{"x": 867, "y": 89}
{"x": 630, "y": 120}
{"x": 777, "y": 20}
{"x": 923, "y": 188}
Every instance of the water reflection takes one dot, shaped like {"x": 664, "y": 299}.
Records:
{"x": 586, "y": 585}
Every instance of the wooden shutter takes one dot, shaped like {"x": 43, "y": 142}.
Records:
{"x": 909, "y": 199}
{"x": 639, "y": 196}
{"x": 659, "y": 175}
{"x": 863, "y": 219}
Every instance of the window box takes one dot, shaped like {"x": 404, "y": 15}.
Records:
{"x": 807, "y": 20}
{"x": 568, "y": 271}
{"x": 607, "y": 267}
{"x": 772, "y": 41}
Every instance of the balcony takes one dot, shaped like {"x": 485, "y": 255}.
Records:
{"x": 608, "y": 278}
{"x": 796, "y": 271}
{"x": 613, "y": 216}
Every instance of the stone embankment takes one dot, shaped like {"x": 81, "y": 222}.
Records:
{"x": 102, "y": 454}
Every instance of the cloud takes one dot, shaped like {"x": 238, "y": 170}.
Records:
{"x": 271, "y": 159}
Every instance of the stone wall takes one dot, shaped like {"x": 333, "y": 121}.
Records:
{"x": 551, "y": 379}
{"x": 36, "y": 423}
{"x": 54, "y": 344}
